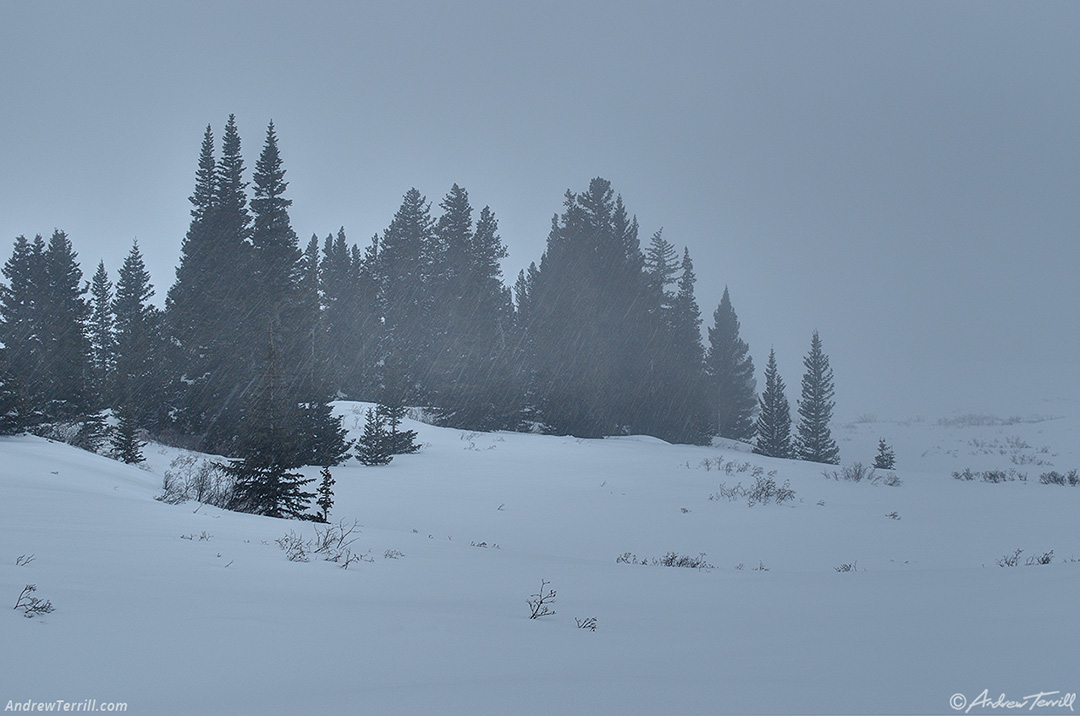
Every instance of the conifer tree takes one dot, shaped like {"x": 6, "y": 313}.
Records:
{"x": 886, "y": 458}
{"x": 586, "y": 349}
{"x": 773, "y": 426}
{"x": 404, "y": 255}
{"x": 126, "y": 445}
{"x": 285, "y": 309}
{"x": 662, "y": 267}
{"x": 730, "y": 370}
{"x": 102, "y": 335}
{"x": 137, "y": 344}
{"x": 22, "y": 328}
{"x": 471, "y": 384}
{"x": 814, "y": 440}
{"x": 65, "y": 347}
{"x": 10, "y": 422}
{"x": 325, "y": 492}
{"x": 373, "y": 446}
{"x": 207, "y": 306}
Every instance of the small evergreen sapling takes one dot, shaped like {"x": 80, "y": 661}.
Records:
{"x": 886, "y": 458}
{"x": 326, "y": 494}
{"x": 373, "y": 447}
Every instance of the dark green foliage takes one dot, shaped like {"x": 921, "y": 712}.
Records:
{"x": 325, "y": 492}
{"x": 65, "y": 348}
{"x": 102, "y": 335}
{"x": 470, "y": 382}
{"x": 730, "y": 371}
{"x": 93, "y": 432}
{"x": 773, "y": 426}
{"x": 886, "y": 458}
{"x": 137, "y": 386}
{"x": 373, "y": 447}
{"x": 814, "y": 440}
{"x": 400, "y": 442}
{"x": 126, "y": 445}
{"x": 10, "y": 422}
{"x": 403, "y": 258}
{"x": 210, "y": 367}
{"x": 270, "y": 489}
{"x": 586, "y": 322}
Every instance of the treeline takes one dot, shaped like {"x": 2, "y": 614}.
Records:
{"x": 259, "y": 333}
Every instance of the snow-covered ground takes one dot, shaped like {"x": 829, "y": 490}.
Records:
{"x": 182, "y": 609}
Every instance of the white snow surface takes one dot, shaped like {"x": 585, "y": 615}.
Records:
{"x": 185, "y": 609}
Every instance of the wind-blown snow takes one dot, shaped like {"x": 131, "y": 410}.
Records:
{"x": 227, "y": 625}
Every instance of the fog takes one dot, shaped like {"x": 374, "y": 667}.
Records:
{"x": 901, "y": 177}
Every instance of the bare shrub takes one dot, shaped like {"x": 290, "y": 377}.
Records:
{"x": 540, "y": 603}
{"x": 587, "y": 623}
{"x": 23, "y": 559}
{"x": 193, "y": 477}
{"x": 847, "y": 567}
{"x": 1056, "y": 478}
{"x": 1010, "y": 560}
{"x": 1044, "y": 558}
{"x": 31, "y": 605}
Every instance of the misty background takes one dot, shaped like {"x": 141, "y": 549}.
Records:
{"x": 901, "y": 177}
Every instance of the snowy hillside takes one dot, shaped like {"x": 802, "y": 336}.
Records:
{"x": 180, "y": 609}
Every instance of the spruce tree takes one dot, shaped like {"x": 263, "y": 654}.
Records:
{"x": 138, "y": 349}
{"x": 662, "y": 267}
{"x": 373, "y": 446}
{"x": 730, "y": 370}
{"x": 22, "y": 329}
{"x": 126, "y": 445}
{"x": 102, "y": 335}
{"x": 405, "y": 253}
{"x": 285, "y": 311}
{"x": 586, "y": 331}
{"x": 471, "y": 381}
{"x": 773, "y": 426}
{"x": 65, "y": 347}
{"x": 814, "y": 439}
{"x": 326, "y": 493}
{"x": 886, "y": 458}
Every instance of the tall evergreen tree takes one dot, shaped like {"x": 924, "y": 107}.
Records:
{"x": 586, "y": 308}
{"x": 22, "y": 328}
{"x": 814, "y": 440}
{"x": 773, "y": 427}
{"x": 472, "y": 311}
{"x": 207, "y": 307}
{"x": 66, "y": 349}
{"x": 102, "y": 335}
{"x": 405, "y": 254}
{"x": 730, "y": 370}
{"x": 662, "y": 267}
{"x": 138, "y": 346}
{"x": 284, "y": 314}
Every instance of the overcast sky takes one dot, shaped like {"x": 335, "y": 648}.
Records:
{"x": 903, "y": 177}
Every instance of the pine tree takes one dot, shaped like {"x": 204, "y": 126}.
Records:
{"x": 10, "y": 421}
{"x": 265, "y": 481}
{"x": 207, "y": 307}
{"x": 400, "y": 442}
{"x": 65, "y": 346}
{"x": 285, "y": 308}
{"x": 22, "y": 329}
{"x": 662, "y": 267}
{"x": 137, "y": 386}
{"x": 126, "y": 445}
{"x": 679, "y": 405}
{"x": 102, "y": 335}
{"x": 773, "y": 427}
{"x": 586, "y": 350}
{"x": 325, "y": 493}
{"x": 471, "y": 373}
{"x": 373, "y": 447}
{"x": 404, "y": 254}
{"x": 814, "y": 440}
{"x": 730, "y": 370}
{"x": 886, "y": 458}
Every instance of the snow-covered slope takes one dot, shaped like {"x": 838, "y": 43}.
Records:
{"x": 180, "y": 609}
